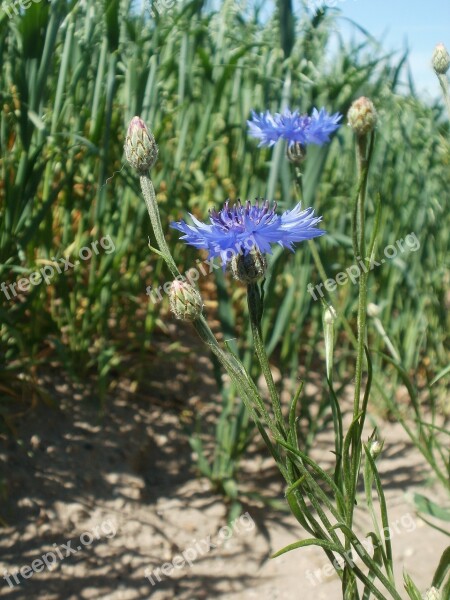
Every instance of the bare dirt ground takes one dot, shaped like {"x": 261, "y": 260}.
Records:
{"x": 115, "y": 496}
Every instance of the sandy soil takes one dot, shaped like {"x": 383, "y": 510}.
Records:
{"x": 117, "y": 493}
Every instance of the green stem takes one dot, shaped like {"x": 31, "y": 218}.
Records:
{"x": 361, "y": 330}
{"x": 444, "y": 85}
{"x": 255, "y": 310}
{"x": 358, "y": 235}
{"x": 235, "y": 369}
{"x": 317, "y": 260}
{"x": 362, "y": 177}
{"x": 148, "y": 191}
{"x": 364, "y": 157}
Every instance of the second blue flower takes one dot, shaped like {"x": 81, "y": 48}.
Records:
{"x": 293, "y": 127}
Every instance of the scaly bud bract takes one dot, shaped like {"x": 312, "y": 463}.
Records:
{"x": 432, "y": 594}
{"x": 441, "y": 59}
{"x": 362, "y": 116}
{"x": 140, "y": 146}
{"x": 296, "y": 153}
{"x": 185, "y": 301}
{"x": 250, "y": 267}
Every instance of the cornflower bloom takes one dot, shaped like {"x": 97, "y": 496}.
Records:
{"x": 242, "y": 229}
{"x": 293, "y": 127}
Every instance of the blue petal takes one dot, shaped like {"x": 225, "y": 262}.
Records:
{"x": 239, "y": 229}
{"x": 293, "y": 127}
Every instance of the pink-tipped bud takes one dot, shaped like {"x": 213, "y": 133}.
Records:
{"x": 140, "y": 146}
{"x": 441, "y": 59}
{"x": 362, "y": 116}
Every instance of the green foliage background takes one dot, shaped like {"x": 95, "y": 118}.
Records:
{"x": 74, "y": 73}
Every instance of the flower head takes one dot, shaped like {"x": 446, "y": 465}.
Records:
{"x": 140, "y": 146}
{"x": 441, "y": 59}
{"x": 432, "y": 594}
{"x": 296, "y": 153}
{"x": 293, "y": 127}
{"x": 362, "y": 116}
{"x": 185, "y": 301}
{"x": 250, "y": 267}
{"x": 241, "y": 228}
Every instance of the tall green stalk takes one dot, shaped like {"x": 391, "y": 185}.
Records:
{"x": 255, "y": 307}
{"x": 310, "y": 504}
{"x": 362, "y": 117}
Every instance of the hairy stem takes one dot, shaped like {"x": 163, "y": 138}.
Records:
{"x": 255, "y": 311}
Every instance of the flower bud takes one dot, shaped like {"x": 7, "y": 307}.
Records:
{"x": 441, "y": 59}
{"x": 296, "y": 153}
{"x": 185, "y": 301}
{"x": 248, "y": 268}
{"x": 432, "y": 594}
{"x": 375, "y": 448}
{"x": 373, "y": 310}
{"x": 140, "y": 146}
{"x": 329, "y": 315}
{"x": 362, "y": 116}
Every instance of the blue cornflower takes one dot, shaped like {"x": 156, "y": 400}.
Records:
{"x": 293, "y": 127}
{"x": 239, "y": 229}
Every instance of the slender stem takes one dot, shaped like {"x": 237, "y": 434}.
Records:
{"x": 362, "y": 171}
{"x": 361, "y": 330}
{"x": 363, "y": 166}
{"x": 236, "y": 371}
{"x": 444, "y": 85}
{"x": 148, "y": 191}
{"x": 255, "y": 310}
{"x": 317, "y": 260}
{"x": 358, "y": 235}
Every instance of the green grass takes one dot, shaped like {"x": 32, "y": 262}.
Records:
{"x": 73, "y": 76}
